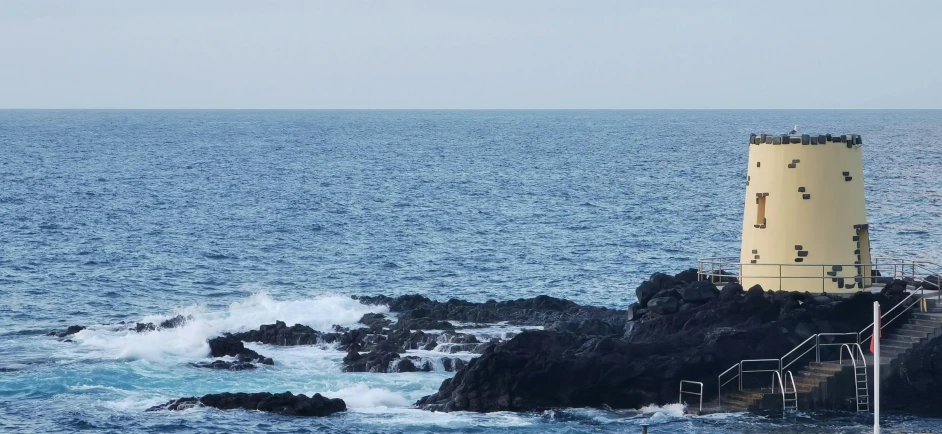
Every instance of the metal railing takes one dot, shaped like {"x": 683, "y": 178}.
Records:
{"x": 720, "y": 383}
{"x": 853, "y": 360}
{"x": 911, "y": 300}
{"x": 788, "y": 359}
{"x": 722, "y": 269}
{"x": 781, "y": 384}
{"x": 750, "y": 371}
{"x": 680, "y": 396}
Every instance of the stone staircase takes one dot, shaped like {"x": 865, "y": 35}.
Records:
{"x": 817, "y": 383}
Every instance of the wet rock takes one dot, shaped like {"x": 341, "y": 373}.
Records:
{"x": 233, "y": 347}
{"x": 375, "y": 321}
{"x": 663, "y": 305}
{"x": 69, "y": 331}
{"x": 174, "y": 322}
{"x": 687, "y": 306}
{"x": 377, "y": 361}
{"x": 280, "y": 334}
{"x": 225, "y": 364}
{"x": 651, "y": 287}
{"x": 281, "y": 403}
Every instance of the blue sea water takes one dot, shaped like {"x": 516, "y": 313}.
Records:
{"x": 239, "y": 218}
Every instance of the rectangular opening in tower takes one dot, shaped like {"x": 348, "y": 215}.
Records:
{"x": 760, "y": 213}
{"x": 863, "y": 237}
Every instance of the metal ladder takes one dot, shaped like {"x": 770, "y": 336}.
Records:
{"x": 862, "y": 389}
{"x": 789, "y": 399}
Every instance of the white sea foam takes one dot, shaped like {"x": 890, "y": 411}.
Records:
{"x": 361, "y": 396}
{"x": 668, "y": 411}
{"x": 189, "y": 341}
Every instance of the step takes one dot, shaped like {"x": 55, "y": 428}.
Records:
{"x": 927, "y": 316}
{"x": 914, "y": 333}
{"x": 824, "y": 367}
{"x": 896, "y": 344}
{"x": 918, "y": 328}
{"x": 925, "y": 322}
{"x": 901, "y": 338}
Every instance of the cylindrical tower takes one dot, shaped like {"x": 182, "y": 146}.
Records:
{"x": 805, "y": 221}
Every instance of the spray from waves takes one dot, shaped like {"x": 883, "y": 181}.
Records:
{"x": 189, "y": 341}
{"x": 660, "y": 413}
{"x": 361, "y": 396}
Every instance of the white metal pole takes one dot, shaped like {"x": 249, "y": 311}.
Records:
{"x": 876, "y": 367}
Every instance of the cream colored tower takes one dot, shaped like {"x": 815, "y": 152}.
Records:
{"x": 805, "y": 223}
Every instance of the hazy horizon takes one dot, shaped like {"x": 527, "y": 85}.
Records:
{"x": 525, "y": 55}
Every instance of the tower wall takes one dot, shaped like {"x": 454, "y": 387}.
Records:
{"x": 805, "y": 223}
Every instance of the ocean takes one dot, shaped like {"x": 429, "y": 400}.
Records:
{"x": 240, "y": 218}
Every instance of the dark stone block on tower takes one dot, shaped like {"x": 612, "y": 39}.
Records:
{"x": 776, "y": 140}
{"x": 805, "y": 139}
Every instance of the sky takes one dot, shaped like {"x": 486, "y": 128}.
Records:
{"x": 453, "y": 54}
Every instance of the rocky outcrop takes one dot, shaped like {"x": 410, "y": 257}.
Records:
{"x": 536, "y": 311}
{"x": 914, "y": 385}
{"x": 280, "y": 334}
{"x": 174, "y": 322}
{"x": 225, "y": 364}
{"x": 233, "y": 347}
{"x": 543, "y": 369}
{"x": 69, "y": 331}
{"x": 280, "y": 403}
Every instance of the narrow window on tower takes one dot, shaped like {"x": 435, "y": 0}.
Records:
{"x": 760, "y": 210}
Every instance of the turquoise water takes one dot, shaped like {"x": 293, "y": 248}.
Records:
{"x": 240, "y": 218}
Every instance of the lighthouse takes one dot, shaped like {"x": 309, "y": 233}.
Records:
{"x": 805, "y": 219}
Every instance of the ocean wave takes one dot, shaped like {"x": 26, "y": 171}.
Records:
{"x": 189, "y": 341}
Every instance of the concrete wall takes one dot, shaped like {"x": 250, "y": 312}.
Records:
{"x": 806, "y": 237}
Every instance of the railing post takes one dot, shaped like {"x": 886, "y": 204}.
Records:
{"x": 740, "y": 376}
{"x": 780, "y": 278}
{"x": 817, "y": 348}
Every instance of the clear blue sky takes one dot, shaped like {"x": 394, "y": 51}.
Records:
{"x": 471, "y": 54}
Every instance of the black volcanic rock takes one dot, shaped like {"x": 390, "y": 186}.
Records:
{"x": 914, "y": 385}
{"x": 699, "y": 292}
{"x": 69, "y": 331}
{"x": 280, "y": 334}
{"x": 731, "y": 291}
{"x": 663, "y": 305}
{"x": 224, "y": 364}
{"x": 546, "y": 369}
{"x": 687, "y": 276}
{"x": 280, "y": 403}
{"x": 233, "y": 347}
{"x": 419, "y": 312}
{"x": 174, "y": 322}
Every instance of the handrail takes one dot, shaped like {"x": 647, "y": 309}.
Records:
{"x": 883, "y": 324}
{"x": 781, "y": 384}
{"x": 791, "y": 378}
{"x": 796, "y": 349}
{"x": 682, "y": 392}
{"x": 777, "y": 375}
{"x": 725, "y": 267}
{"x": 720, "y": 384}
{"x": 741, "y": 371}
